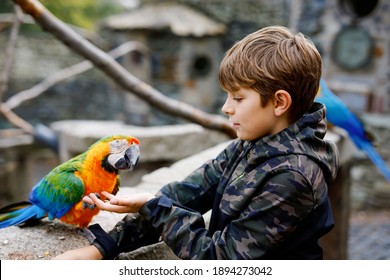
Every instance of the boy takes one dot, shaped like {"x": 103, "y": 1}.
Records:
{"x": 267, "y": 190}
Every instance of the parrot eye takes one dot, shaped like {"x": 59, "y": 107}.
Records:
{"x": 118, "y": 146}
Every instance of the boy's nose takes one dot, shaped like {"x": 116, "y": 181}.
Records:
{"x": 226, "y": 109}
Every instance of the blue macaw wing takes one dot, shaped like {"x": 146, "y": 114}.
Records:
{"x": 58, "y": 191}
{"x": 338, "y": 113}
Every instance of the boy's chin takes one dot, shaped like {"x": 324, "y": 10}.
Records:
{"x": 244, "y": 137}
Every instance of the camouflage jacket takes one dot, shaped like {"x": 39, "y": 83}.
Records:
{"x": 268, "y": 199}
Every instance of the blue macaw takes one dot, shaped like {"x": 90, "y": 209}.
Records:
{"x": 339, "y": 115}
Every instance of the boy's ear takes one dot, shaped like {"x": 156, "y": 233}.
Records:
{"x": 282, "y": 102}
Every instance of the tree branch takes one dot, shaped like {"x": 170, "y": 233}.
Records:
{"x": 16, "y": 120}
{"x": 4, "y": 78}
{"x": 119, "y": 74}
{"x": 9, "y": 53}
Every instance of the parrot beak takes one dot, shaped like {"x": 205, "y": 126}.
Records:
{"x": 129, "y": 159}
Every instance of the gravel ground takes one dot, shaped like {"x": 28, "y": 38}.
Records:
{"x": 42, "y": 242}
{"x": 369, "y": 235}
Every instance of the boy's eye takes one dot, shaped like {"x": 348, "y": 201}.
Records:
{"x": 238, "y": 99}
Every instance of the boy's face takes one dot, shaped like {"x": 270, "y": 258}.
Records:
{"x": 248, "y": 117}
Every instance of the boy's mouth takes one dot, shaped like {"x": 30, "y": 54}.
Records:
{"x": 234, "y": 124}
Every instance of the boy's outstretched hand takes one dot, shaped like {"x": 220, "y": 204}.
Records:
{"x": 124, "y": 204}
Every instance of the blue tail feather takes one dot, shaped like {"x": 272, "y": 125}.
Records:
{"x": 21, "y": 215}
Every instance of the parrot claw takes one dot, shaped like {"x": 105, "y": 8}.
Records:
{"x": 85, "y": 205}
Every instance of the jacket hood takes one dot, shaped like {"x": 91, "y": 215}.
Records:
{"x": 304, "y": 137}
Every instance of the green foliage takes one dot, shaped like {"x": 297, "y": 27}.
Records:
{"x": 6, "y": 6}
{"x": 82, "y": 13}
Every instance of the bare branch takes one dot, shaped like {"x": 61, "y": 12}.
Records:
{"x": 119, "y": 74}
{"x": 9, "y": 53}
{"x": 66, "y": 73}
{"x": 4, "y": 78}
{"x": 16, "y": 120}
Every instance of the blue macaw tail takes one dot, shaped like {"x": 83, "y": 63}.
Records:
{"x": 376, "y": 159}
{"x": 19, "y": 213}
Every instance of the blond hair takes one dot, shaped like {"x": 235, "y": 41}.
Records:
{"x": 272, "y": 59}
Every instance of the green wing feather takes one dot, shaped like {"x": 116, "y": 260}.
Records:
{"x": 58, "y": 191}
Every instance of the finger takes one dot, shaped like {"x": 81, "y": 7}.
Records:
{"x": 116, "y": 201}
{"x": 112, "y": 198}
{"x": 87, "y": 199}
{"x": 107, "y": 206}
{"x": 96, "y": 200}
{"x": 108, "y": 195}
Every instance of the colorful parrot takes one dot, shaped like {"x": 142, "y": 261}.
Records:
{"x": 339, "y": 115}
{"x": 59, "y": 194}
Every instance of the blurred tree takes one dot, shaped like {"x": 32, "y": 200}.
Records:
{"x": 6, "y": 6}
{"x": 83, "y": 13}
